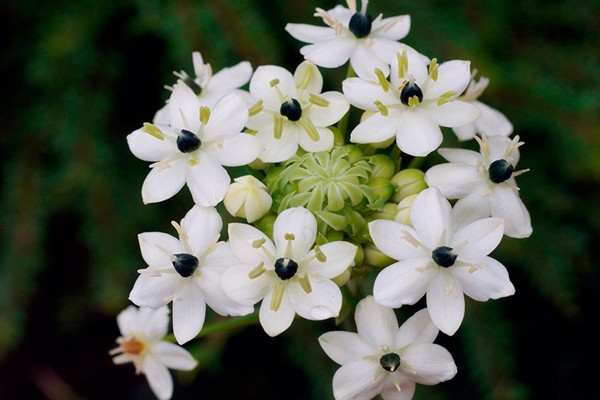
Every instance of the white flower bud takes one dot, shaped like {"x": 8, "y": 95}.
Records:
{"x": 247, "y": 197}
{"x": 403, "y": 211}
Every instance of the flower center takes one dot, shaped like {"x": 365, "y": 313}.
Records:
{"x": 132, "y": 346}
{"x": 285, "y": 268}
{"x": 187, "y": 141}
{"x": 360, "y": 24}
{"x": 291, "y": 109}
{"x": 408, "y": 91}
{"x": 390, "y": 362}
{"x": 500, "y": 170}
{"x": 185, "y": 264}
{"x": 444, "y": 256}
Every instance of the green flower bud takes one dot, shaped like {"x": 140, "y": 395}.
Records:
{"x": 376, "y": 258}
{"x": 353, "y": 153}
{"x": 408, "y": 182}
{"x": 403, "y": 210}
{"x": 343, "y": 278}
{"x": 383, "y": 166}
{"x": 382, "y": 188}
{"x": 388, "y": 212}
{"x": 265, "y": 224}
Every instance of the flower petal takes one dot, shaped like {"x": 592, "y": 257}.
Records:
{"x": 417, "y": 329}
{"x": 339, "y": 256}
{"x": 430, "y": 363}
{"x": 474, "y": 206}
{"x": 237, "y": 150}
{"x": 454, "y": 180}
{"x": 151, "y": 252}
{"x": 174, "y": 356}
{"x": 207, "y": 180}
{"x": 461, "y": 156}
{"x": 489, "y": 280}
{"x": 231, "y": 78}
{"x": 363, "y": 94}
{"x": 324, "y": 301}
{"x": 331, "y": 53}
{"x": 431, "y": 216}
{"x": 183, "y": 108}
{"x": 365, "y": 60}
{"x": 326, "y": 116}
{"x": 479, "y": 238}
{"x": 407, "y": 386}
{"x": 344, "y": 347}
{"x": 158, "y": 377}
{"x": 278, "y": 150}
{"x": 203, "y": 227}
{"x": 275, "y": 322}
{"x": 417, "y": 133}
{"x": 404, "y": 282}
{"x": 227, "y": 118}
{"x": 150, "y": 290}
{"x": 236, "y": 284}
{"x": 260, "y": 85}
{"x": 189, "y": 311}
{"x": 506, "y": 204}
{"x": 390, "y": 239}
{"x": 392, "y": 28}
{"x": 492, "y": 121}
{"x": 315, "y": 83}
{"x": 149, "y": 148}
{"x": 358, "y": 380}
{"x": 301, "y": 225}
{"x": 376, "y": 128}
{"x": 376, "y": 325}
{"x": 453, "y": 76}
{"x": 310, "y": 33}
{"x": 445, "y": 302}
{"x": 454, "y": 113}
{"x": 163, "y": 183}
{"x": 242, "y": 238}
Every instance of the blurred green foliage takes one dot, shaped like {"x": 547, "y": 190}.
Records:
{"x": 79, "y": 76}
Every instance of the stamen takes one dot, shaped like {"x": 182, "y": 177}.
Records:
{"x": 204, "y": 114}
{"x": 305, "y": 283}
{"x": 290, "y": 237}
{"x": 278, "y": 127}
{"x": 328, "y": 19}
{"x": 256, "y": 108}
{"x": 446, "y": 97}
{"x": 318, "y": 100}
{"x": 274, "y": 82}
{"x": 306, "y": 77}
{"x": 310, "y": 129}
{"x": 258, "y": 243}
{"x": 412, "y": 240}
{"x": 153, "y": 130}
{"x": 402, "y": 60}
{"x": 383, "y": 110}
{"x": 257, "y": 271}
{"x": 413, "y": 101}
{"x": 484, "y": 148}
{"x": 383, "y": 82}
{"x": 319, "y": 254}
{"x": 277, "y": 296}
{"x": 433, "y": 69}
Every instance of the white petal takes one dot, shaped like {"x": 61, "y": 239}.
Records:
{"x": 390, "y": 392}
{"x": 163, "y": 183}
{"x": 207, "y": 180}
{"x": 216, "y": 298}
{"x": 454, "y": 180}
{"x": 356, "y": 380}
{"x": 417, "y": 133}
{"x": 315, "y": 84}
{"x": 237, "y": 150}
{"x": 431, "y": 216}
{"x": 127, "y": 321}
{"x": 324, "y": 301}
{"x": 339, "y": 255}
{"x": 393, "y": 28}
{"x": 203, "y": 227}
{"x": 236, "y": 284}
{"x": 489, "y": 281}
{"x": 277, "y": 150}
{"x": 174, "y": 356}
{"x": 330, "y": 54}
{"x": 364, "y": 62}
{"x": 275, "y": 322}
{"x": 492, "y": 121}
{"x": 446, "y": 303}
{"x": 389, "y": 237}
{"x": 404, "y": 282}
{"x": 453, "y": 76}
{"x": 506, "y": 204}
{"x": 189, "y": 310}
{"x": 465, "y": 132}
{"x": 183, "y": 108}
{"x": 152, "y": 254}
{"x": 232, "y": 77}
{"x": 326, "y": 116}
{"x": 155, "y": 291}
{"x": 430, "y": 363}
{"x": 153, "y": 323}
{"x": 227, "y": 118}
{"x": 363, "y": 94}
{"x": 461, "y": 156}
{"x": 454, "y": 113}
{"x": 375, "y": 129}
{"x": 417, "y": 329}
{"x": 474, "y": 206}
{"x": 148, "y": 148}
{"x": 324, "y": 143}
{"x": 260, "y": 85}
{"x": 242, "y": 237}
{"x": 300, "y": 223}
{"x": 158, "y": 376}
{"x": 344, "y": 347}
{"x": 479, "y": 238}
{"x": 417, "y": 67}
{"x": 310, "y": 33}
{"x": 376, "y": 325}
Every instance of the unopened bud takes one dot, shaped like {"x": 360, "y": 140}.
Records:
{"x": 247, "y": 197}
{"x": 403, "y": 210}
{"x": 388, "y": 212}
{"x": 382, "y": 188}
{"x": 408, "y": 182}
{"x": 376, "y": 258}
{"x": 383, "y": 166}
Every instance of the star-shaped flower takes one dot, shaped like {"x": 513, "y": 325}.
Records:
{"x": 492, "y": 121}
{"x": 484, "y": 183}
{"x": 205, "y": 89}
{"x": 413, "y": 104}
{"x": 353, "y": 35}
{"x": 195, "y": 149}
{"x": 385, "y": 359}
{"x": 141, "y": 343}
{"x": 291, "y": 276}
{"x": 291, "y": 111}
{"x": 437, "y": 261}
{"x": 187, "y": 271}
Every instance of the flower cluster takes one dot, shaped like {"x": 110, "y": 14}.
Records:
{"x": 326, "y": 191}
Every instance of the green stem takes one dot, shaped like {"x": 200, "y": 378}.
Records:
{"x": 416, "y": 162}
{"x": 228, "y": 325}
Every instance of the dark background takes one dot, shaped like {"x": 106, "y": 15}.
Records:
{"x": 78, "y": 76}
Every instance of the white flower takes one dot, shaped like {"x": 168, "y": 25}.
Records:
{"x": 353, "y": 35}
{"x": 484, "y": 184}
{"x": 141, "y": 343}
{"x": 436, "y": 260}
{"x": 187, "y": 272}
{"x": 413, "y": 104}
{"x": 194, "y": 149}
{"x": 291, "y": 111}
{"x": 205, "y": 88}
{"x": 248, "y": 198}
{"x": 384, "y": 359}
{"x": 492, "y": 121}
{"x": 287, "y": 275}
